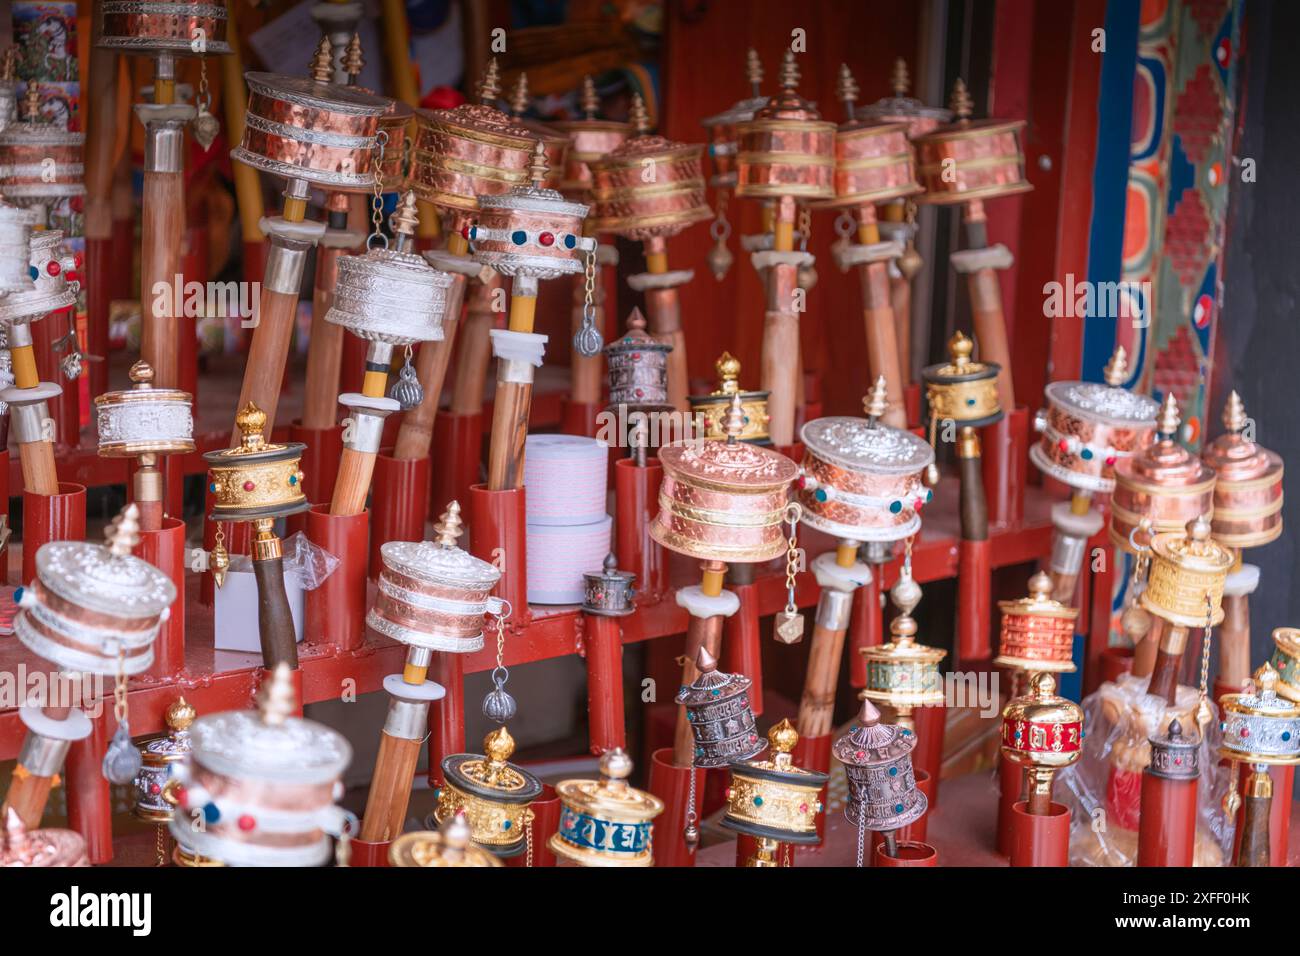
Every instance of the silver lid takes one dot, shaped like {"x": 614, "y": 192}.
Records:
{"x": 1099, "y": 402}
{"x": 859, "y": 444}
{"x": 389, "y": 296}
{"x": 436, "y": 564}
{"x": 92, "y": 577}
{"x": 243, "y": 744}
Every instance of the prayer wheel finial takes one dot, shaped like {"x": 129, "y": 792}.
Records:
{"x": 322, "y": 64}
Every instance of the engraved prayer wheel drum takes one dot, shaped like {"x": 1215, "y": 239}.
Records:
{"x": 1037, "y": 632}
{"x": 433, "y": 596}
{"x": 723, "y": 501}
{"x": 918, "y": 118}
{"x": 877, "y": 759}
{"x": 1174, "y": 754}
{"x": 1260, "y": 726}
{"x": 322, "y": 133}
{"x": 971, "y": 159}
{"x": 873, "y": 164}
{"x": 628, "y": 203}
{"x": 88, "y": 603}
{"x": 787, "y": 149}
{"x": 15, "y": 249}
{"x": 49, "y": 289}
{"x": 606, "y": 822}
{"x": 713, "y": 406}
{"x": 1247, "y": 487}
{"x": 722, "y": 138}
{"x": 492, "y": 793}
{"x": 1089, "y": 427}
{"x": 470, "y": 151}
{"x": 589, "y": 140}
{"x": 254, "y": 479}
{"x": 144, "y": 419}
{"x": 637, "y": 368}
{"x": 1187, "y": 566}
{"x": 40, "y": 161}
{"x": 901, "y": 672}
{"x": 389, "y": 296}
{"x": 265, "y": 784}
{"x": 21, "y": 847}
{"x": 1041, "y": 729}
{"x": 773, "y": 798}
{"x": 963, "y": 390}
{"x": 718, "y": 710}
{"x": 609, "y": 591}
{"x": 393, "y": 123}
{"x": 862, "y": 480}
{"x": 1286, "y": 661}
{"x": 158, "y": 760}
{"x": 164, "y": 26}
{"x": 530, "y": 231}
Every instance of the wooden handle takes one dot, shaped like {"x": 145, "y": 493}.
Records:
{"x": 974, "y": 508}
{"x": 267, "y": 356}
{"x": 1234, "y": 640}
{"x": 900, "y": 297}
{"x": 416, "y": 432}
{"x": 991, "y": 330}
{"x": 390, "y": 788}
{"x": 510, "y": 411}
{"x": 274, "y": 619}
{"x": 882, "y": 339}
{"x": 101, "y": 140}
{"x": 39, "y": 474}
{"x": 325, "y": 350}
{"x": 701, "y": 632}
{"x": 780, "y": 373}
{"x": 353, "y": 482}
{"x": 475, "y": 353}
{"x": 664, "y": 321}
{"x": 1253, "y": 849}
{"x": 162, "y": 225}
{"x": 28, "y": 795}
{"x": 1169, "y": 659}
{"x": 817, "y": 705}
{"x": 1144, "y": 654}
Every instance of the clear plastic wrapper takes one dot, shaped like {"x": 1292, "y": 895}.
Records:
{"x": 305, "y": 563}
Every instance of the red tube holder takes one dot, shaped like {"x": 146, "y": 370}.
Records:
{"x": 909, "y": 854}
{"x": 400, "y": 502}
{"x": 1005, "y": 461}
{"x": 365, "y": 853}
{"x": 320, "y": 459}
{"x": 742, "y": 645}
{"x": 90, "y": 806}
{"x": 931, "y": 723}
{"x": 579, "y": 418}
{"x": 165, "y": 550}
{"x": 636, "y": 497}
{"x": 1011, "y": 790}
{"x": 974, "y": 605}
{"x": 814, "y": 753}
{"x": 335, "y": 611}
{"x": 497, "y": 526}
{"x": 604, "y": 642}
{"x": 672, "y": 784}
{"x": 1167, "y": 827}
{"x": 1220, "y": 688}
{"x": 458, "y": 449}
{"x": 546, "y": 820}
{"x": 1040, "y": 840}
{"x": 865, "y": 627}
{"x": 446, "y": 716}
{"x": 60, "y": 517}
{"x": 912, "y": 403}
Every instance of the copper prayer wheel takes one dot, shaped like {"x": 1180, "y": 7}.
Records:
{"x": 971, "y": 159}
{"x": 722, "y": 126}
{"x": 21, "y": 847}
{"x": 625, "y": 203}
{"x": 723, "y": 500}
{"x": 1164, "y": 483}
{"x": 317, "y": 132}
{"x": 393, "y": 124}
{"x": 555, "y": 142}
{"x": 901, "y": 108}
{"x": 590, "y": 139}
{"x": 40, "y": 160}
{"x": 1089, "y": 426}
{"x": 1248, "y": 484}
{"x": 164, "y": 26}
{"x": 1037, "y": 632}
{"x": 787, "y": 149}
{"x": 873, "y": 160}
{"x": 470, "y": 151}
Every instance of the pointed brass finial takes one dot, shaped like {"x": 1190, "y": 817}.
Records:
{"x": 1198, "y": 535}
{"x": 32, "y": 102}
{"x": 1040, "y": 586}
{"x": 353, "y": 61}
{"x": 141, "y": 374}
{"x": 733, "y": 422}
{"x": 899, "y": 81}
{"x": 1266, "y": 680}
{"x": 123, "y": 532}
{"x": 322, "y": 64}
{"x": 1116, "y": 372}
{"x": 960, "y": 101}
{"x": 590, "y": 101}
{"x": 490, "y": 87}
{"x": 903, "y": 629}
{"x": 1234, "y": 414}
{"x": 868, "y": 716}
{"x": 876, "y": 402}
{"x": 449, "y": 526}
{"x": 519, "y": 95}
{"x": 1169, "y": 419}
{"x": 498, "y": 745}
{"x": 727, "y": 368}
{"x": 960, "y": 348}
{"x": 406, "y": 216}
{"x": 846, "y": 90}
{"x": 250, "y": 421}
{"x": 783, "y": 737}
{"x": 276, "y": 701}
{"x": 789, "y": 77}
{"x": 638, "y": 115}
{"x": 636, "y": 320}
{"x": 180, "y": 715}
{"x": 538, "y": 169}
{"x": 615, "y": 765}
{"x": 753, "y": 71}
{"x": 1042, "y": 684}
{"x": 705, "y": 662}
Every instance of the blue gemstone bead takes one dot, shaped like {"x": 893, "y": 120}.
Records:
{"x": 893, "y": 771}
{"x": 820, "y": 494}
{"x": 898, "y": 808}
{"x": 506, "y": 825}
{"x": 210, "y": 813}
{"x": 1286, "y": 735}
{"x": 570, "y": 241}
{"x": 33, "y": 272}
{"x": 895, "y": 507}
{"x": 519, "y": 237}
{"x": 18, "y": 595}
{"x": 970, "y": 401}
{"x": 1086, "y": 454}
{"x": 293, "y": 479}
{"x": 758, "y": 801}
{"x": 212, "y": 487}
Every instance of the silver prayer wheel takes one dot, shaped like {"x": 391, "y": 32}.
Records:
{"x": 1259, "y": 726}
{"x": 637, "y": 367}
{"x": 717, "y": 707}
{"x": 47, "y": 266}
{"x": 389, "y": 297}
{"x": 608, "y": 592}
{"x": 40, "y": 161}
{"x": 143, "y": 419}
{"x": 877, "y": 760}
{"x": 159, "y": 758}
{"x": 1174, "y": 755}
{"x": 15, "y": 248}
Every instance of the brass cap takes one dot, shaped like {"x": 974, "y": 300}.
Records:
{"x": 353, "y": 61}
{"x": 519, "y": 95}
{"x": 449, "y": 526}
{"x": 783, "y": 737}
{"x": 733, "y": 421}
{"x": 846, "y": 90}
{"x": 489, "y": 88}
{"x": 899, "y": 81}
{"x": 538, "y": 169}
{"x": 876, "y": 403}
{"x": 638, "y": 116}
{"x": 32, "y": 102}
{"x": 728, "y": 368}
{"x": 615, "y": 764}
{"x": 1040, "y": 586}
{"x": 753, "y": 69}
{"x": 141, "y": 374}
{"x": 960, "y": 101}
{"x": 321, "y": 67}
{"x": 498, "y": 746}
{"x": 960, "y": 348}
{"x": 180, "y": 714}
{"x": 1116, "y": 372}
{"x": 250, "y": 421}
{"x": 406, "y": 216}
{"x": 1168, "y": 421}
{"x": 1234, "y": 414}
{"x": 789, "y": 75}
{"x": 590, "y": 101}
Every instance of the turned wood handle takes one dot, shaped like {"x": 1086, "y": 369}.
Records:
{"x": 473, "y": 357}
{"x": 1254, "y": 847}
{"x": 780, "y": 359}
{"x": 416, "y": 432}
{"x": 390, "y": 788}
{"x": 991, "y": 330}
{"x": 882, "y": 339}
{"x": 701, "y": 632}
{"x": 817, "y": 705}
{"x": 510, "y": 410}
{"x": 1169, "y": 659}
{"x": 101, "y": 142}
{"x": 900, "y": 297}
{"x": 162, "y": 225}
{"x": 39, "y": 474}
{"x": 974, "y": 508}
{"x": 352, "y": 484}
{"x": 1234, "y": 640}
{"x": 274, "y": 619}
{"x": 664, "y": 320}
{"x": 267, "y": 355}
{"x": 325, "y": 350}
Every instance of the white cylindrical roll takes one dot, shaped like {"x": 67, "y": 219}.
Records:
{"x": 566, "y": 477}
{"x": 558, "y": 556}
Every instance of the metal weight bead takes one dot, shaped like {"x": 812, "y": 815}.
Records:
{"x": 691, "y": 836}
{"x": 406, "y": 391}
{"x": 122, "y": 759}
{"x": 205, "y": 127}
{"x": 720, "y": 259}
{"x": 587, "y": 341}
{"x": 498, "y": 705}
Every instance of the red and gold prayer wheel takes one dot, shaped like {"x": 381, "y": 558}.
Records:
{"x": 1037, "y": 632}
{"x": 971, "y": 159}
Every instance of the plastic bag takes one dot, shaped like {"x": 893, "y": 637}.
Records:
{"x": 305, "y": 563}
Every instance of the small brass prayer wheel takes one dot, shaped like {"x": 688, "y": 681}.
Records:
{"x": 1188, "y": 571}
{"x": 773, "y": 799}
{"x": 492, "y": 793}
{"x": 448, "y": 846}
{"x": 714, "y": 405}
{"x": 606, "y": 822}
{"x": 1042, "y": 732}
{"x": 255, "y": 480}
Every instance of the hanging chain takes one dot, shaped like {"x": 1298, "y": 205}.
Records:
{"x": 787, "y": 857}
{"x": 377, "y": 237}
{"x": 119, "y": 688}
{"x": 587, "y": 340}
{"x": 529, "y": 817}
{"x": 160, "y": 844}
{"x": 1203, "y": 713}
{"x": 204, "y": 99}
{"x": 501, "y": 641}
{"x": 862, "y": 834}
{"x": 805, "y": 228}
{"x": 691, "y": 817}
{"x": 720, "y": 228}
{"x": 793, "y": 512}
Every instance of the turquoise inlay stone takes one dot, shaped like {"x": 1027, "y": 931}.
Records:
{"x": 519, "y": 237}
